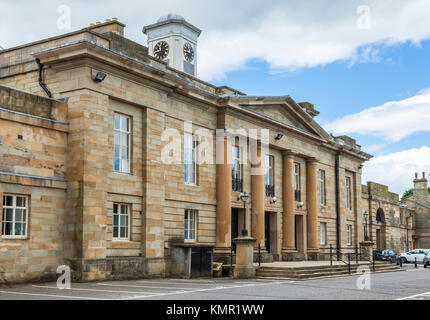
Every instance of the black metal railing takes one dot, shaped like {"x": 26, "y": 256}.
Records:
{"x": 297, "y": 195}
{"x": 270, "y": 190}
{"x": 237, "y": 184}
{"x": 357, "y": 254}
{"x": 258, "y": 254}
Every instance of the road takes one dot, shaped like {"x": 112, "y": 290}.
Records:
{"x": 413, "y": 284}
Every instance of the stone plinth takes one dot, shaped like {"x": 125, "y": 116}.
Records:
{"x": 244, "y": 257}
{"x": 367, "y": 250}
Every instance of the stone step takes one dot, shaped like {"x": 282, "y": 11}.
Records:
{"x": 318, "y": 272}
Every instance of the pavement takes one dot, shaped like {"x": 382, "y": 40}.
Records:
{"x": 414, "y": 284}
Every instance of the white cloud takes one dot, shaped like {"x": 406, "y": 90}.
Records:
{"x": 397, "y": 170}
{"x": 392, "y": 121}
{"x": 371, "y": 148}
{"x": 286, "y": 34}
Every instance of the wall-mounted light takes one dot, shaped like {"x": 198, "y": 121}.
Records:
{"x": 100, "y": 76}
{"x": 279, "y": 136}
{"x": 273, "y": 200}
{"x": 300, "y": 205}
{"x": 360, "y": 166}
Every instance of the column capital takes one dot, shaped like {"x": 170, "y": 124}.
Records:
{"x": 311, "y": 160}
{"x": 288, "y": 153}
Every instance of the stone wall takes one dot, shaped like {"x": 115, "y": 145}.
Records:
{"x": 33, "y": 148}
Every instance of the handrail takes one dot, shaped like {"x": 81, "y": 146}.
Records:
{"x": 259, "y": 254}
{"x": 339, "y": 257}
{"x": 357, "y": 254}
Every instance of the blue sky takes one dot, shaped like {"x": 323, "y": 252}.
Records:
{"x": 339, "y": 88}
{"x": 364, "y": 64}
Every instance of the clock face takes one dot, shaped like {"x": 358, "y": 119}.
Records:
{"x": 188, "y": 52}
{"x": 161, "y": 50}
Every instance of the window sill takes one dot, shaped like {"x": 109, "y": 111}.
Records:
{"x": 191, "y": 185}
{"x": 123, "y": 173}
{"x": 190, "y": 241}
{"x": 14, "y": 237}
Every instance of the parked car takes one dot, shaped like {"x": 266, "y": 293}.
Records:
{"x": 426, "y": 260}
{"x": 383, "y": 255}
{"x": 410, "y": 256}
{"x": 377, "y": 254}
{"x": 387, "y": 254}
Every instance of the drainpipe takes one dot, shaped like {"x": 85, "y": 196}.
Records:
{"x": 336, "y": 165}
{"x": 41, "y": 83}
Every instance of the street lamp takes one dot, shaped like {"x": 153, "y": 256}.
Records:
{"x": 244, "y": 197}
{"x": 366, "y": 216}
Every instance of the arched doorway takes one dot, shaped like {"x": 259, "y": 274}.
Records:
{"x": 380, "y": 229}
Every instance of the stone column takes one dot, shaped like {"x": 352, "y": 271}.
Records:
{"x": 257, "y": 197}
{"x": 312, "y": 199}
{"x": 223, "y": 193}
{"x": 288, "y": 244}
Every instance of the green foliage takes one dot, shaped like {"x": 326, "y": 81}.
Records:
{"x": 409, "y": 192}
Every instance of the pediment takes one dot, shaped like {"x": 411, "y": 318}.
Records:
{"x": 279, "y": 113}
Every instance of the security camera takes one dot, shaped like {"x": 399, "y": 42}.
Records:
{"x": 300, "y": 205}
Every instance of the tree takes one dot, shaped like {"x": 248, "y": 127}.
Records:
{"x": 410, "y": 192}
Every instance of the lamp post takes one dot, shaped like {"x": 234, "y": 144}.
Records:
{"x": 244, "y": 197}
{"x": 366, "y": 215}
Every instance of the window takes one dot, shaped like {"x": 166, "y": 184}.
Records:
{"x": 269, "y": 178}
{"x": 190, "y": 225}
{"x": 236, "y": 172}
{"x": 14, "y": 216}
{"x": 321, "y": 178}
{"x": 349, "y": 235}
{"x": 122, "y": 134}
{"x": 297, "y": 194}
{"x": 121, "y": 221}
{"x": 348, "y": 192}
{"x": 323, "y": 232}
{"x": 190, "y": 165}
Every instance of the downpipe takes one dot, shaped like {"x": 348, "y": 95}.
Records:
{"x": 41, "y": 83}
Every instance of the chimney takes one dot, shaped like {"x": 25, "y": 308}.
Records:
{"x": 421, "y": 193}
{"x": 110, "y": 25}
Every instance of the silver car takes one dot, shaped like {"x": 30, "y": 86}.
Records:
{"x": 417, "y": 254}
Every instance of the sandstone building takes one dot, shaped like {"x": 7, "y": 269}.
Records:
{"x": 83, "y": 181}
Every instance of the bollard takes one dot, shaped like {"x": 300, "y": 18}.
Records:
{"x": 416, "y": 263}
{"x": 400, "y": 262}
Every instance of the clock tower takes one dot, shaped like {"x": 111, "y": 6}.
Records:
{"x": 174, "y": 40}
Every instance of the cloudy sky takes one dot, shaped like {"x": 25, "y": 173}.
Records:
{"x": 364, "y": 64}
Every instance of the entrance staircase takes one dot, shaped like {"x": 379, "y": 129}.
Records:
{"x": 315, "y": 272}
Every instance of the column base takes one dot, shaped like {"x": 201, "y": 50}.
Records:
{"x": 244, "y": 272}
{"x": 313, "y": 254}
{"x": 293, "y": 256}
